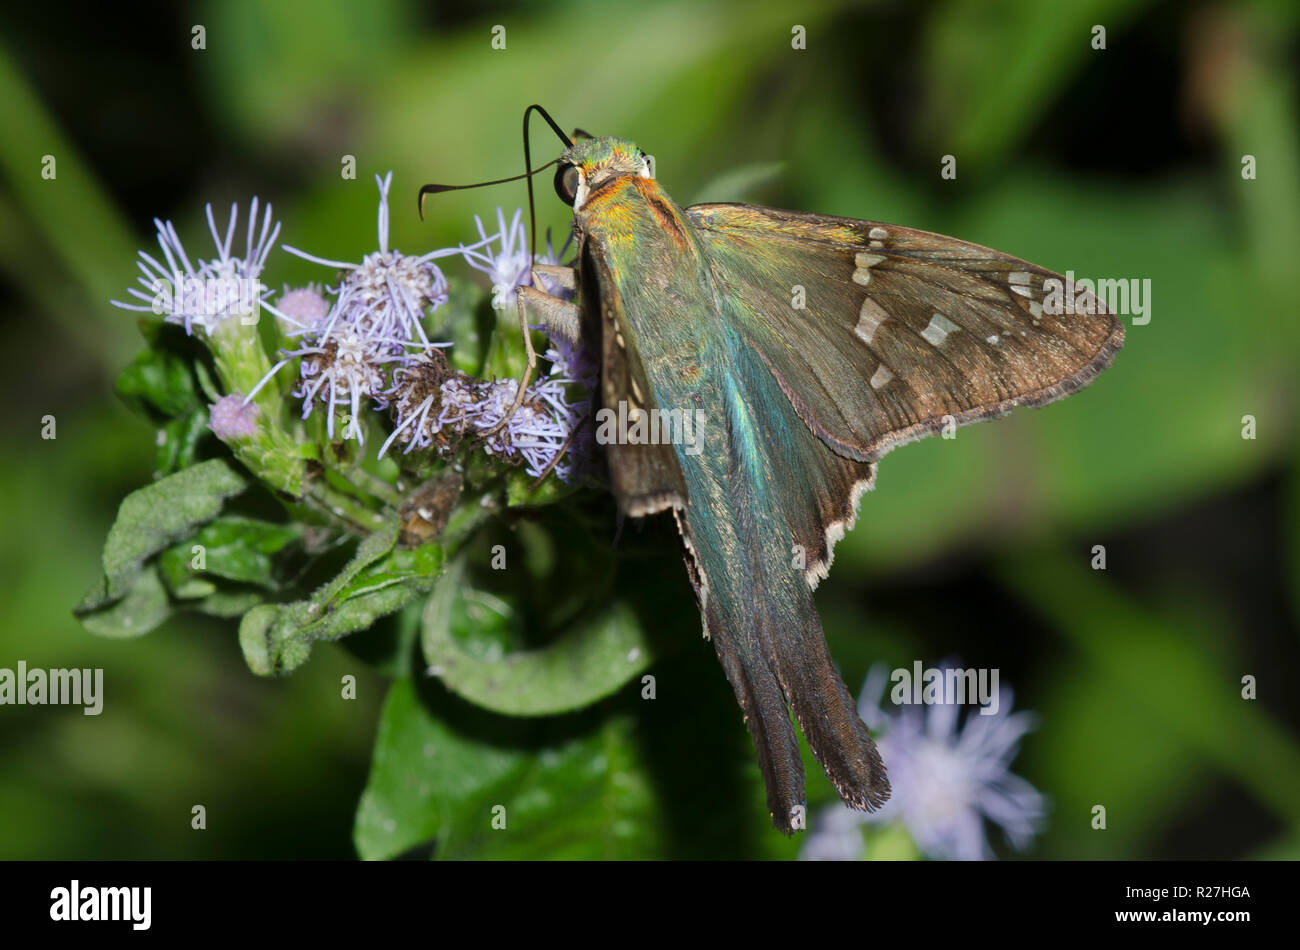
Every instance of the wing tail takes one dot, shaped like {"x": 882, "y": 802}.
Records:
{"x": 827, "y": 714}
{"x": 759, "y": 693}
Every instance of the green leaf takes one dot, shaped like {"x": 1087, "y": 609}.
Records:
{"x": 236, "y": 549}
{"x": 520, "y": 490}
{"x": 160, "y": 380}
{"x": 444, "y": 773}
{"x": 178, "y": 440}
{"x": 227, "y": 603}
{"x": 144, "y": 607}
{"x": 585, "y": 798}
{"x": 378, "y": 581}
{"x": 156, "y": 516}
{"x": 591, "y": 660}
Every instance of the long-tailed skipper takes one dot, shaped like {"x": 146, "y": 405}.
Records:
{"x": 811, "y": 346}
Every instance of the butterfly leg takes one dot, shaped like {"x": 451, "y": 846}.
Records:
{"x": 557, "y": 317}
{"x": 566, "y": 278}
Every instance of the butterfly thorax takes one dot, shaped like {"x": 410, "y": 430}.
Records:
{"x": 663, "y": 290}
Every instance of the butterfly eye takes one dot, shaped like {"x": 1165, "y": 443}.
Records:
{"x": 566, "y": 183}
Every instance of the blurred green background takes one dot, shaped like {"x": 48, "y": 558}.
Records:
{"x": 1123, "y": 162}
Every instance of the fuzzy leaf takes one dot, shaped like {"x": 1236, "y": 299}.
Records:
{"x": 143, "y": 608}
{"x": 178, "y": 439}
{"x": 159, "y": 380}
{"x": 156, "y": 516}
{"x": 236, "y": 549}
{"x": 378, "y": 581}
{"x": 591, "y": 660}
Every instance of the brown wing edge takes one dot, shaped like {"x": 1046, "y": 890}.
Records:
{"x": 820, "y": 567}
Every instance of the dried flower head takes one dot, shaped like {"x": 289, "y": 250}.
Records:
{"x": 436, "y": 406}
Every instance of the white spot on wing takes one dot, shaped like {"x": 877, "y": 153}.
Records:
{"x": 863, "y": 262}
{"x": 870, "y": 317}
{"x": 938, "y": 329}
{"x": 877, "y": 234}
{"x": 881, "y": 376}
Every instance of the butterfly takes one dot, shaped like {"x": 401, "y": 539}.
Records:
{"x": 810, "y": 346}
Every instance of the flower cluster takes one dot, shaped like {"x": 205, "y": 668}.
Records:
{"x": 361, "y": 345}
{"x": 206, "y": 293}
{"x": 946, "y": 781}
{"x": 436, "y": 406}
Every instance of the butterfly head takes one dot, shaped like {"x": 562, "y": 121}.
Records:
{"x": 589, "y": 163}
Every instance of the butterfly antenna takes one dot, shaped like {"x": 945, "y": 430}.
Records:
{"x": 426, "y": 190}
{"x": 532, "y": 256}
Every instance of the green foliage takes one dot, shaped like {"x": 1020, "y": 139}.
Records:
{"x": 592, "y": 659}
{"x": 496, "y": 789}
{"x": 238, "y": 549}
{"x": 276, "y": 638}
{"x": 148, "y": 521}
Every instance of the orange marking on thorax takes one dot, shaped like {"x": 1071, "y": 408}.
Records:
{"x": 617, "y": 206}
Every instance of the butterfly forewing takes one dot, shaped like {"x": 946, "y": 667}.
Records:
{"x": 879, "y": 334}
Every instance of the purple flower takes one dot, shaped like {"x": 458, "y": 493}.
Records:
{"x": 230, "y": 418}
{"x": 503, "y": 256}
{"x": 303, "y": 306}
{"x": 376, "y": 320}
{"x": 435, "y": 406}
{"x": 507, "y": 265}
{"x": 386, "y": 295}
{"x": 344, "y": 369}
{"x": 209, "y": 291}
{"x": 573, "y": 367}
{"x": 946, "y": 781}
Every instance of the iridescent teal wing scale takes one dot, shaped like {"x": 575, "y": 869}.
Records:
{"x": 760, "y": 482}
